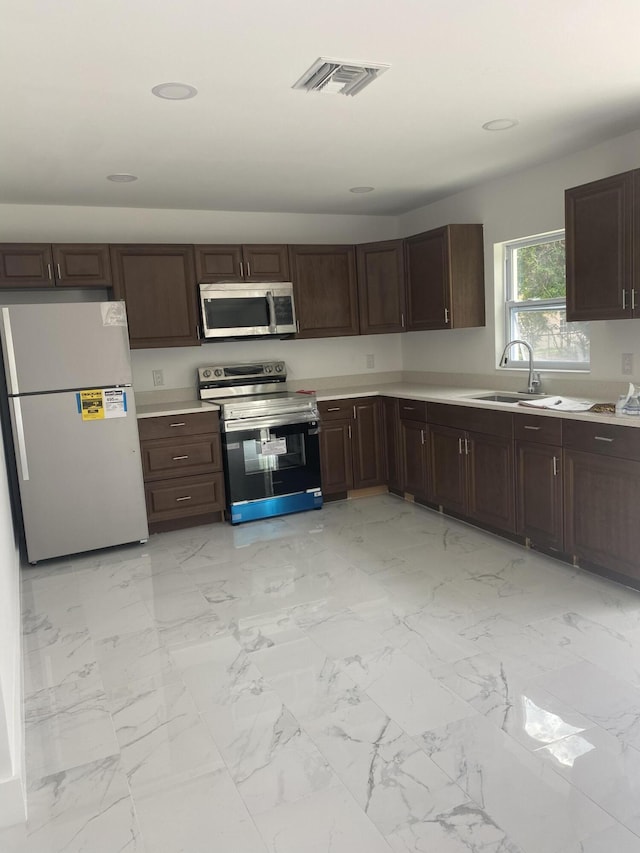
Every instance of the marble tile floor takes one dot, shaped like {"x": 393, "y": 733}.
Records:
{"x": 370, "y": 677}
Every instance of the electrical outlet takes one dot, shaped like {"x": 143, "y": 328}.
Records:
{"x": 627, "y": 363}
{"x": 371, "y": 360}
{"x": 158, "y": 377}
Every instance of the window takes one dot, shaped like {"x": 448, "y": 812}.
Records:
{"x": 535, "y": 305}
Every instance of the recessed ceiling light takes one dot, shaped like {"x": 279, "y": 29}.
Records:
{"x": 175, "y": 91}
{"x": 122, "y": 178}
{"x": 361, "y": 189}
{"x": 500, "y": 124}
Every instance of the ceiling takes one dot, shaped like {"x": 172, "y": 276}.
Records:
{"x": 77, "y": 102}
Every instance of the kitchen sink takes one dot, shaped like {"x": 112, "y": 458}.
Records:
{"x": 504, "y": 397}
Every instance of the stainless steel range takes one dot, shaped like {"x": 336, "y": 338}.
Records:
{"x": 270, "y": 440}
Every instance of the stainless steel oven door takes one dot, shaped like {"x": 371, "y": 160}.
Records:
{"x": 271, "y": 461}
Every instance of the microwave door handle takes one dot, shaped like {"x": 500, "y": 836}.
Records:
{"x": 272, "y": 313}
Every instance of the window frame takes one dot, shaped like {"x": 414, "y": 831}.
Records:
{"x": 512, "y": 305}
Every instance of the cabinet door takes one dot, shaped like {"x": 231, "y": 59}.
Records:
{"x": 381, "y": 287}
{"x": 159, "y": 287}
{"x": 266, "y": 263}
{"x": 427, "y": 276}
{"x": 447, "y": 468}
{"x": 326, "y": 293}
{"x": 414, "y": 458}
{"x": 602, "y": 496}
{"x": 26, "y": 265}
{"x": 491, "y": 485}
{"x": 82, "y": 265}
{"x": 219, "y": 263}
{"x": 391, "y": 436}
{"x": 598, "y": 220}
{"x": 539, "y": 493}
{"x": 368, "y": 446}
{"x": 335, "y": 457}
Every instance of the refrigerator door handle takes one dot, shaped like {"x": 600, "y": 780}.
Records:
{"x": 19, "y": 436}
{"x": 9, "y": 354}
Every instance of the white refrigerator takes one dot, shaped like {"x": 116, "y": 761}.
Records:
{"x": 73, "y": 421}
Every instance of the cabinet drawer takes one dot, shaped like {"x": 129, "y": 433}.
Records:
{"x": 165, "y": 458}
{"x": 538, "y": 429}
{"x": 173, "y": 426}
{"x": 170, "y": 499}
{"x": 607, "y": 439}
{"x": 474, "y": 420}
{"x": 337, "y": 410}
{"x": 413, "y": 410}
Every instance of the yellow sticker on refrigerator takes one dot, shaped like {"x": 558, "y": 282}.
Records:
{"x": 97, "y": 404}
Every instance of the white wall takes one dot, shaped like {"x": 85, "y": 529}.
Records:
{"x": 33, "y": 223}
{"x": 521, "y": 205}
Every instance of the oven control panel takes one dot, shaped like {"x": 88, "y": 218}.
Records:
{"x": 254, "y": 371}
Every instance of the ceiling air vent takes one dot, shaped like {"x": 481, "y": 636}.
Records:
{"x": 339, "y": 76}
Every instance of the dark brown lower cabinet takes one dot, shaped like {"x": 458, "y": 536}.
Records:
{"x": 351, "y": 445}
{"x": 413, "y": 438}
{"x": 335, "y": 458}
{"x": 182, "y": 467}
{"x": 602, "y": 497}
{"x": 472, "y": 473}
{"x": 539, "y": 494}
{"x": 389, "y": 412}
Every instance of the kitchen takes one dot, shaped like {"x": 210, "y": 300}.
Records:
{"x": 529, "y": 201}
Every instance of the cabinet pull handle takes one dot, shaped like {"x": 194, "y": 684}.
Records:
{"x": 460, "y": 446}
{"x": 298, "y": 326}
{"x": 409, "y": 408}
{"x": 603, "y": 438}
{"x": 182, "y": 423}
{"x": 555, "y": 466}
{"x": 466, "y": 446}
{"x": 186, "y": 498}
{"x": 402, "y": 320}
{"x": 334, "y": 409}
{"x": 526, "y": 426}
{"x": 49, "y": 271}
{"x": 633, "y": 300}
{"x": 59, "y": 272}
{"x": 349, "y": 431}
{"x": 422, "y": 436}
{"x": 624, "y": 300}
{"x": 355, "y": 413}
{"x": 248, "y": 270}
{"x": 177, "y": 458}
{"x": 446, "y": 315}
{"x": 241, "y": 270}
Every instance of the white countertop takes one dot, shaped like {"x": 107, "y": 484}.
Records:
{"x": 411, "y": 391}
{"x": 462, "y": 397}
{"x": 180, "y": 407}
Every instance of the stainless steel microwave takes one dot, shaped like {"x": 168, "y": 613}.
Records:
{"x": 241, "y": 310}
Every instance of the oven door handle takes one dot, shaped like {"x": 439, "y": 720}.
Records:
{"x": 272, "y": 313}
{"x": 271, "y": 421}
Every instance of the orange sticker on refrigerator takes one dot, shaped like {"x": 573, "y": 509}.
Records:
{"x": 91, "y": 405}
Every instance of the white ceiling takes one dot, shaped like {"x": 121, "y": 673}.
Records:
{"x": 77, "y": 105}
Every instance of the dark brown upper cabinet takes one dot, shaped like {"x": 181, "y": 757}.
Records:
{"x": 242, "y": 263}
{"x": 60, "y": 265}
{"x": 445, "y": 278}
{"x": 603, "y": 248}
{"x": 158, "y": 285}
{"x": 326, "y": 290}
{"x": 381, "y": 291}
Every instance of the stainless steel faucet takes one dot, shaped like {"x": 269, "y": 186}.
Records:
{"x": 534, "y": 385}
